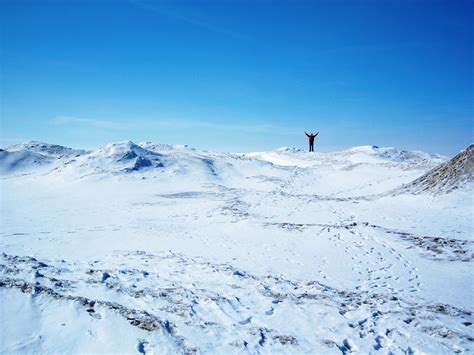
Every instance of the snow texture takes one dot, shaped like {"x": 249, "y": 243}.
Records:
{"x": 447, "y": 177}
{"x": 154, "y": 248}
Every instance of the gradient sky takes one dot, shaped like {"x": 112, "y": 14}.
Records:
{"x": 238, "y": 75}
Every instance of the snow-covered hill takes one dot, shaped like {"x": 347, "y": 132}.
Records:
{"x": 454, "y": 174}
{"x": 12, "y": 161}
{"x": 355, "y": 166}
{"x": 32, "y": 156}
{"x": 117, "y": 157}
{"x": 356, "y": 155}
{"x": 154, "y": 248}
{"x": 49, "y": 150}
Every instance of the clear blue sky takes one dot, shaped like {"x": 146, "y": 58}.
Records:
{"x": 238, "y": 75}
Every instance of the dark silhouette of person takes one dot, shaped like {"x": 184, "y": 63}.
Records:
{"x": 311, "y": 140}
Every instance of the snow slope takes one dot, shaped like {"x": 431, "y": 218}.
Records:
{"x": 34, "y": 156}
{"x": 454, "y": 174}
{"x": 152, "y": 248}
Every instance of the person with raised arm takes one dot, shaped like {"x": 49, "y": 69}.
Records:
{"x": 311, "y": 137}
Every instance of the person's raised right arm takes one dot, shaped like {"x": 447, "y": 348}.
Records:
{"x": 306, "y": 134}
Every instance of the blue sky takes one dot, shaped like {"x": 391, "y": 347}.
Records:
{"x": 238, "y": 75}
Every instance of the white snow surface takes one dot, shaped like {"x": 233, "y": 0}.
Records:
{"x": 153, "y": 248}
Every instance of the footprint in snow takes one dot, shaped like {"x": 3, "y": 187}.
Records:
{"x": 270, "y": 311}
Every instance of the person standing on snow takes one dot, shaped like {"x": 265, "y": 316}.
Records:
{"x": 311, "y": 140}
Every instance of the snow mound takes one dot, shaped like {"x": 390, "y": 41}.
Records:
{"x": 449, "y": 176}
{"x": 50, "y": 150}
{"x": 368, "y": 149}
{"x": 120, "y": 151}
{"x": 172, "y": 160}
{"x": 157, "y": 147}
{"x": 34, "y": 156}
{"x": 122, "y": 156}
{"x": 350, "y": 158}
{"x": 160, "y": 147}
{"x": 289, "y": 150}
{"x": 11, "y": 162}
{"x": 386, "y": 156}
{"x": 112, "y": 159}
{"x": 392, "y": 154}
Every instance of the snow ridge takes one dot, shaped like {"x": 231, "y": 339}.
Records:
{"x": 447, "y": 177}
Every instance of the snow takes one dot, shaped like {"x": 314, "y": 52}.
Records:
{"x": 51, "y": 150}
{"x": 445, "y": 177}
{"x": 271, "y": 252}
{"x": 12, "y": 161}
